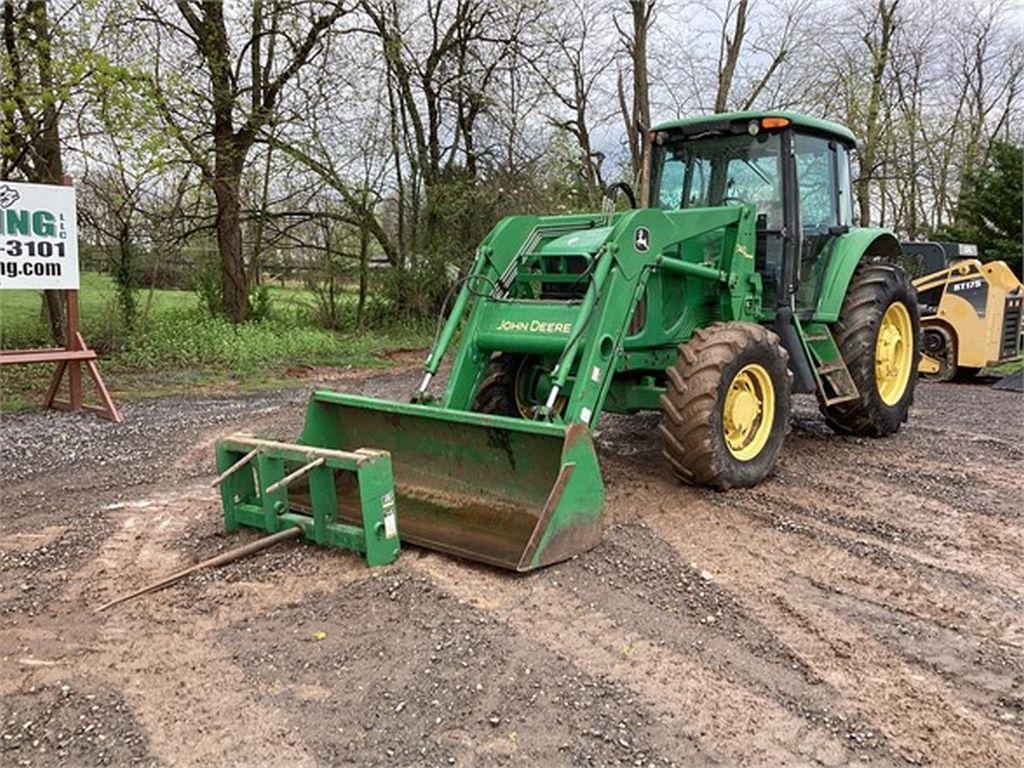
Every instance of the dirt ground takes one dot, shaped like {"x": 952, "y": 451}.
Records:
{"x": 863, "y": 606}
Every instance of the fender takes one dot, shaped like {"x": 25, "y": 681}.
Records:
{"x": 847, "y": 253}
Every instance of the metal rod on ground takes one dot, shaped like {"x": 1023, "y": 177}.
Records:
{"x": 288, "y": 479}
{"x": 234, "y": 467}
{"x": 221, "y": 559}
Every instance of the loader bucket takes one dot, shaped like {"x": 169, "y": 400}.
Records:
{"x": 513, "y": 493}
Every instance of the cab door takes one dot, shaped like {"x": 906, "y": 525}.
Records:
{"x": 824, "y": 210}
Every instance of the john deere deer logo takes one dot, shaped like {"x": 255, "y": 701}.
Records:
{"x": 642, "y": 239}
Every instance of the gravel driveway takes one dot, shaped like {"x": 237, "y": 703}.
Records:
{"x": 864, "y": 605}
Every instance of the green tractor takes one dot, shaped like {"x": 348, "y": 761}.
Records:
{"x": 740, "y": 281}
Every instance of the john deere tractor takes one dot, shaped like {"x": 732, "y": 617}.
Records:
{"x": 739, "y": 281}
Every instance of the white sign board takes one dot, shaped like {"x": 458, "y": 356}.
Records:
{"x": 38, "y": 237}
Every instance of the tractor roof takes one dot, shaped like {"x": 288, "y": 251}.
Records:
{"x": 804, "y": 121}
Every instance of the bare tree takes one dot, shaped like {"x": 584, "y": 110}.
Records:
{"x": 246, "y": 74}
{"x": 31, "y": 146}
{"x": 637, "y": 117}
{"x": 572, "y": 72}
{"x": 878, "y": 40}
{"x": 729, "y": 47}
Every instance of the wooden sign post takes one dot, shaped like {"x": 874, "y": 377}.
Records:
{"x": 39, "y": 250}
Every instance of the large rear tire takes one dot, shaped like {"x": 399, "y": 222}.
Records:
{"x": 726, "y": 406}
{"x": 879, "y": 336}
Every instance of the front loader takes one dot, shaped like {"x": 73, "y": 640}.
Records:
{"x": 740, "y": 281}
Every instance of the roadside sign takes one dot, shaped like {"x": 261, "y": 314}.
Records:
{"x": 38, "y": 237}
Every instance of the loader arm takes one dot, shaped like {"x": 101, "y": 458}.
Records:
{"x": 584, "y": 333}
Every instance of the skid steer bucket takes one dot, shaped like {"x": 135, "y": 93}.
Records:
{"x": 513, "y": 493}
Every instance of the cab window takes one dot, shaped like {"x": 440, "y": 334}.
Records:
{"x": 722, "y": 170}
{"x": 816, "y": 168}
{"x": 817, "y": 177}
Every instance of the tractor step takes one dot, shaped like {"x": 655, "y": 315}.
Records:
{"x": 841, "y": 399}
{"x": 274, "y": 486}
{"x": 825, "y": 370}
{"x": 835, "y": 384}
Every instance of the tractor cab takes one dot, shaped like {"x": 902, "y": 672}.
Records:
{"x": 795, "y": 169}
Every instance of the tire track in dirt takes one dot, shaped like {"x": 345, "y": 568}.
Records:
{"x": 959, "y": 536}
{"x": 984, "y": 673}
{"x": 406, "y": 673}
{"x": 783, "y": 584}
{"x": 906, "y": 581}
{"x": 731, "y": 721}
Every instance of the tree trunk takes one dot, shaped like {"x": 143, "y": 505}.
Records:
{"x": 641, "y": 11}
{"x": 234, "y": 282}
{"x": 869, "y": 150}
{"x": 364, "y": 270}
{"x": 641, "y": 87}
{"x": 730, "y": 55}
{"x": 49, "y": 165}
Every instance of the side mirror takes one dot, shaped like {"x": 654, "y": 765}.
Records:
{"x": 612, "y": 191}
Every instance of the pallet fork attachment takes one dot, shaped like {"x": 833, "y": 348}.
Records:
{"x": 343, "y": 499}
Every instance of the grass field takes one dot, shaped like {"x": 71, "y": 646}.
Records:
{"x": 176, "y": 347}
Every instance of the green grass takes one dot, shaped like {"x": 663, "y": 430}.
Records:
{"x": 22, "y": 322}
{"x": 176, "y": 347}
{"x": 1005, "y": 369}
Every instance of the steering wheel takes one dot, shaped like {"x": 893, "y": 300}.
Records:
{"x": 731, "y": 200}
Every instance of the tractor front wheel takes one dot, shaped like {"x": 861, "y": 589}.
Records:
{"x": 879, "y": 335}
{"x": 726, "y": 406}
{"x": 510, "y": 387}
{"x": 497, "y": 393}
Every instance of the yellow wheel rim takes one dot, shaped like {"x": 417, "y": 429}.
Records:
{"x": 894, "y": 352}
{"x": 748, "y": 412}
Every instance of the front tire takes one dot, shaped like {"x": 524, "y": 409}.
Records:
{"x": 509, "y": 387}
{"x": 879, "y": 336}
{"x": 497, "y": 393}
{"x": 726, "y": 406}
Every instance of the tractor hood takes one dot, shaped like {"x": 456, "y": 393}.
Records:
{"x": 578, "y": 242}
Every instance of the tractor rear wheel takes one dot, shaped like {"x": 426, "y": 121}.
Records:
{"x": 726, "y": 406}
{"x": 879, "y": 335}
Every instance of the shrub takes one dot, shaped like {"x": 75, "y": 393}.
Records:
{"x": 186, "y": 338}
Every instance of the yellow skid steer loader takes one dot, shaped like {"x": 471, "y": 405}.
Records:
{"x": 970, "y": 311}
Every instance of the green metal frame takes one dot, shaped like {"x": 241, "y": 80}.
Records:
{"x": 311, "y": 502}
{"x": 697, "y": 264}
{"x": 849, "y": 250}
